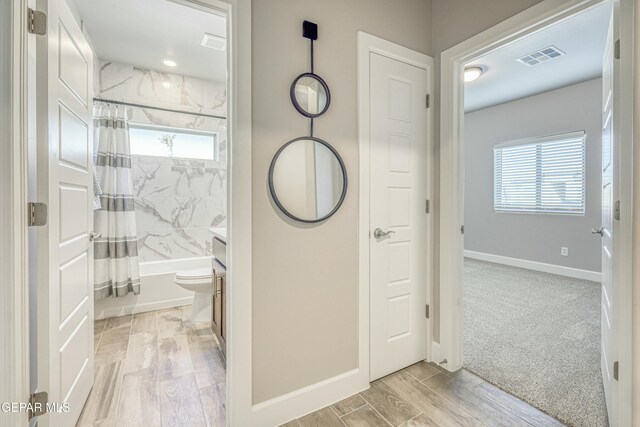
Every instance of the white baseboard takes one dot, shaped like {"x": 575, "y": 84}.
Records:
{"x": 309, "y": 399}
{"x": 141, "y": 308}
{"x": 575, "y": 273}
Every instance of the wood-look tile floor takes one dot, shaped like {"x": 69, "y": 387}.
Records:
{"x": 424, "y": 395}
{"x": 156, "y": 369}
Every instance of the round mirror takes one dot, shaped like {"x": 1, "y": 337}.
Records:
{"x": 310, "y": 95}
{"x": 307, "y": 179}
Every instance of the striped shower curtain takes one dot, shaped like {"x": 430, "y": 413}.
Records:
{"x": 115, "y": 251}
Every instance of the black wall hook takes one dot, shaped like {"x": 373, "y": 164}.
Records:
{"x": 309, "y": 30}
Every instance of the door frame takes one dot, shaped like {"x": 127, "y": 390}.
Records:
{"x": 14, "y": 362}
{"x": 239, "y": 368}
{"x": 368, "y": 44}
{"x": 542, "y": 15}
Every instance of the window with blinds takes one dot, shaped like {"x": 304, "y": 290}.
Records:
{"x": 541, "y": 175}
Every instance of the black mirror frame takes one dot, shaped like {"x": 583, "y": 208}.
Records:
{"x": 294, "y": 101}
{"x": 272, "y": 190}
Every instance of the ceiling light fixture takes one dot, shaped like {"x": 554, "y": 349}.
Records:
{"x": 214, "y": 42}
{"x": 472, "y": 73}
{"x": 169, "y": 62}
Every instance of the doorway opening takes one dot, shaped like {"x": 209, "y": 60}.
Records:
{"x": 532, "y": 194}
{"x": 530, "y": 224}
{"x": 135, "y": 171}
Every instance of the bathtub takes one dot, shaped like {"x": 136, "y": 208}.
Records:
{"x": 157, "y": 289}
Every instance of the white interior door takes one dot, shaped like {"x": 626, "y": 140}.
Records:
{"x": 609, "y": 196}
{"x": 398, "y": 193}
{"x": 65, "y": 296}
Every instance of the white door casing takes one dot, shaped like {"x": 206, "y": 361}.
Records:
{"x": 398, "y": 194}
{"x": 65, "y": 252}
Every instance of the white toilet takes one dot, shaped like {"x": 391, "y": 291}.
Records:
{"x": 200, "y": 281}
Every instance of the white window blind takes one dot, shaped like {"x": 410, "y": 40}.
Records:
{"x": 541, "y": 175}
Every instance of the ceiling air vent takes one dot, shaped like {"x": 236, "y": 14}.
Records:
{"x": 540, "y": 56}
{"x": 214, "y": 42}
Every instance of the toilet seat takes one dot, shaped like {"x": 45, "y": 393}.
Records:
{"x": 198, "y": 275}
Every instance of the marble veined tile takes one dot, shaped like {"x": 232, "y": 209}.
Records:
{"x": 208, "y": 213}
{"x": 187, "y": 91}
{"x": 217, "y": 183}
{"x": 191, "y": 242}
{"x": 155, "y": 245}
{"x": 151, "y": 86}
{"x": 116, "y": 81}
{"x": 151, "y": 116}
{"x": 190, "y": 163}
{"x": 173, "y": 244}
{"x": 157, "y": 213}
{"x": 188, "y": 181}
{"x": 147, "y": 160}
{"x": 152, "y": 179}
{"x": 215, "y": 98}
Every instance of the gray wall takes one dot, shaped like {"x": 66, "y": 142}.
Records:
{"x": 305, "y": 306}
{"x": 453, "y": 22}
{"x": 533, "y": 237}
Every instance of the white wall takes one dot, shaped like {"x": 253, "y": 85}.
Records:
{"x": 305, "y": 281}
{"x": 534, "y": 237}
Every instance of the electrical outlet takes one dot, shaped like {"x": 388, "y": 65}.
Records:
{"x": 564, "y": 251}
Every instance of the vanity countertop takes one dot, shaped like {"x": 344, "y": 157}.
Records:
{"x": 220, "y": 233}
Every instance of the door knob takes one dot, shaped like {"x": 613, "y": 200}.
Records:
{"x": 379, "y": 234}
{"x": 598, "y": 231}
{"x": 93, "y": 235}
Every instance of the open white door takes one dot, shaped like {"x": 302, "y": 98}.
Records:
{"x": 398, "y": 217}
{"x": 610, "y": 193}
{"x": 65, "y": 250}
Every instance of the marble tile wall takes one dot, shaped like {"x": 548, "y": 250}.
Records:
{"x": 177, "y": 200}
{"x": 122, "y": 82}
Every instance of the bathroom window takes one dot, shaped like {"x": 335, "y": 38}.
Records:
{"x": 541, "y": 175}
{"x": 147, "y": 140}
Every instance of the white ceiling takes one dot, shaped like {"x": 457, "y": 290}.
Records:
{"x": 144, "y": 32}
{"x": 582, "y": 38}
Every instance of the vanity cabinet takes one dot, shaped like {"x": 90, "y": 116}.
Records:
{"x": 219, "y": 321}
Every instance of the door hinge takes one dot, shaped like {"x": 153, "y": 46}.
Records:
{"x": 615, "y": 370}
{"x": 426, "y": 208}
{"x": 428, "y": 100}
{"x": 37, "y": 212}
{"x": 427, "y": 311}
{"x": 462, "y": 229}
{"x": 38, "y": 404}
{"x": 616, "y": 210}
{"x": 36, "y": 22}
{"x": 617, "y": 49}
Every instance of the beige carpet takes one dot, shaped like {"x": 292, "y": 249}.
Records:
{"x": 537, "y": 336}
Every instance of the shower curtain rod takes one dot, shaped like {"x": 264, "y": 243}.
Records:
{"x": 130, "y": 104}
